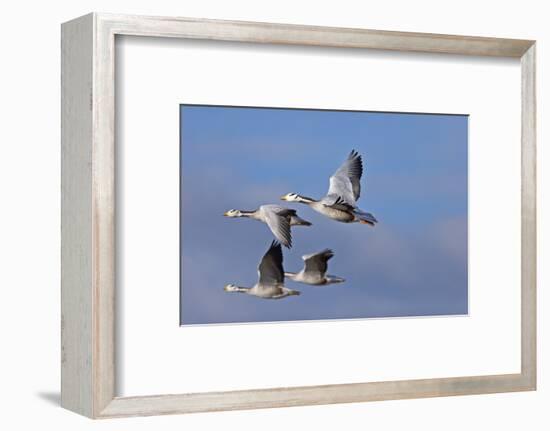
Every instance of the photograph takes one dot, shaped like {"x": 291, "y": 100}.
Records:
{"x": 309, "y": 214}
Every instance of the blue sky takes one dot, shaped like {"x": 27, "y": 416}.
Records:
{"x": 413, "y": 263}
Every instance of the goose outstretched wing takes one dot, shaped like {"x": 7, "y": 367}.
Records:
{"x": 317, "y": 262}
{"x": 278, "y": 220}
{"x": 270, "y": 270}
{"x": 346, "y": 181}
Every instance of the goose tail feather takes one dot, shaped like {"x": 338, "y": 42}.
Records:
{"x": 365, "y": 218}
{"x": 297, "y": 221}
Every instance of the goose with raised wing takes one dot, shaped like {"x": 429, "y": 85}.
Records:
{"x": 271, "y": 277}
{"x": 340, "y": 203}
{"x": 279, "y": 219}
{"x": 315, "y": 270}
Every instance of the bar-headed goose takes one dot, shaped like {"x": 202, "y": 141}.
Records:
{"x": 277, "y": 218}
{"x": 340, "y": 203}
{"x": 315, "y": 270}
{"x": 271, "y": 277}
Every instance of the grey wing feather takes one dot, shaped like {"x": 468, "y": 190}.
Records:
{"x": 317, "y": 262}
{"x": 337, "y": 202}
{"x": 280, "y": 226}
{"x": 346, "y": 181}
{"x": 270, "y": 270}
{"x": 277, "y": 209}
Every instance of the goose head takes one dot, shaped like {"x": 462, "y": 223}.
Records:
{"x": 231, "y": 288}
{"x": 291, "y": 197}
{"x": 233, "y": 213}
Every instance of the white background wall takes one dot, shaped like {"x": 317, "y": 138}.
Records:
{"x": 29, "y": 214}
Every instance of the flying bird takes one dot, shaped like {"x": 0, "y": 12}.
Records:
{"x": 315, "y": 270}
{"x": 278, "y": 219}
{"x": 271, "y": 277}
{"x": 340, "y": 203}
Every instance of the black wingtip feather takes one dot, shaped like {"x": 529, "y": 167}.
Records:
{"x": 275, "y": 247}
{"x": 357, "y": 170}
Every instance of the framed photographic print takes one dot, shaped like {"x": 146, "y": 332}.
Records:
{"x": 266, "y": 215}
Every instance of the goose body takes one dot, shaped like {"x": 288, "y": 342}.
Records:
{"x": 340, "y": 203}
{"x": 279, "y": 220}
{"x": 338, "y": 214}
{"x": 315, "y": 270}
{"x": 271, "y": 277}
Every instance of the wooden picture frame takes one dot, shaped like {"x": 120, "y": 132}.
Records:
{"x": 88, "y": 215}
